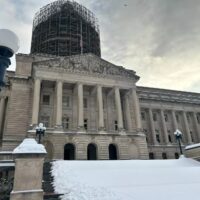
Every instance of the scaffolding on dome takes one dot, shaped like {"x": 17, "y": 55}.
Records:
{"x": 65, "y": 28}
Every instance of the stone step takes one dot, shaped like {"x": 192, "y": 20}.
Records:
{"x": 47, "y": 185}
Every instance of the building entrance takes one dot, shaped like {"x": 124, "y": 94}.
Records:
{"x": 112, "y": 152}
{"x": 92, "y": 152}
{"x": 69, "y": 152}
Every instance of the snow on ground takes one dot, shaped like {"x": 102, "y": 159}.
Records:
{"x": 128, "y": 180}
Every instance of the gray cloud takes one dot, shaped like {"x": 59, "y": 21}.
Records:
{"x": 158, "y": 39}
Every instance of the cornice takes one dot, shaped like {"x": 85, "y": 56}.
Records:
{"x": 153, "y": 94}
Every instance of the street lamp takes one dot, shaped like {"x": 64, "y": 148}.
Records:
{"x": 40, "y": 130}
{"x": 178, "y": 136}
{"x": 9, "y": 44}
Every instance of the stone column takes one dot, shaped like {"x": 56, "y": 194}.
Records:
{"x": 152, "y": 127}
{"x": 59, "y": 93}
{"x": 100, "y": 108}
{"x": 80, "y": 106}
{"x": 28, "y": 171}
{"x": 174, "y": 120}
{"x": 164, "y": 127}
{"x": 127, "y": 113}
{"x": 187, "y": 129}
{"x": 136, "y": 109}
{"x": 119, "y": 109}
{"x": 2, "y": 112}
{"x": 196, "y": 125}
{"x": 36, "y": 101}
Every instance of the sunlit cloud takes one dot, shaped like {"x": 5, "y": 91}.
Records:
{"x": 158, "y": 39}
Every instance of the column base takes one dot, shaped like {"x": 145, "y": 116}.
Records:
{"x": 59, "y": 127}
{"x": 122, "y": 131}
{"x": 27, "y": 194}
{"x": 81, "y": 129}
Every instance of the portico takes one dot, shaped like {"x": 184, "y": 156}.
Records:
{"x": 95, "y": 103}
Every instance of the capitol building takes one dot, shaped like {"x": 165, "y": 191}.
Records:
{"x": 92, "y": 109}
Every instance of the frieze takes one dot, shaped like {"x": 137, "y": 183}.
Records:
{"x": 88, "y": 64}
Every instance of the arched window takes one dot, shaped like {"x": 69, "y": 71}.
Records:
{"x": 151, "y": 155}
{"x": 176, "y": 155}
{"x": 112, "y": 152}
{"x": 164, "y": 155}
{"x": 69, "y": 152}
{"x": 92, "y": 152}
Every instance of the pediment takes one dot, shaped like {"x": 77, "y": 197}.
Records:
{"x": 87, "y": 63}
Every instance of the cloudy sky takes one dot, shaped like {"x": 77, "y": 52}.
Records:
{"x": 159, "y": 39}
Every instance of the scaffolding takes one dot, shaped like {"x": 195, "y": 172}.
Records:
{"x": 65, "y": 28}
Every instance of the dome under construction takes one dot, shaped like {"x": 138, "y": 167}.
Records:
{"x": 65, "y": 28}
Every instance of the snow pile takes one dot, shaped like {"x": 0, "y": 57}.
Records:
{"x": 29, "y": 145}
{"x": 192, "y": 146}
{"x": 127, "y": 180}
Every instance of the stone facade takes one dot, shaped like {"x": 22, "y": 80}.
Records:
{"x": 86, "y": 100}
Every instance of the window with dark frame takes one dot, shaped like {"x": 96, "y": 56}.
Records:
{"x": 192, "y": 138}
{"x": 86, "y": 124}
{"x": 176, "y": 155}
{"x": 46, "y": 99}
{"x": 151, "y": 156}
{"x": 65, "y": 123}
{"x": 164, "y": 155}
{"x": 157, "y": 136}
{"x": 198, "y": 118}
{"x": 143, "y": 116}
{"x": 166, "y": 117}
{"x": 116, "y": 125}
{"x": 169, "y": 136}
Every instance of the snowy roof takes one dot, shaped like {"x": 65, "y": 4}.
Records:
{"x": 127, "y": 180}
{"x": 192, "y": 146}
{"x": 29, "y": 145}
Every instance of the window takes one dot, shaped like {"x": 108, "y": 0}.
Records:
{"x": 169, "y": 136}
{"x": 177, "y": 118}
{"x": 154, "y": 116}
{"x": 166, "y": 117}
{"x": 151, "y": 155}
{"x": 188, "y": 118}
{"x": 176, "y": 155}
{"x": 85, "y": 103}
{"x": 164, "y": 156}
{"x": 116, "y": 125}
{"x": 85, "y": 124}
{"x": 45, "y": 120}
{"x": 143, "y": 116}
{"x": 157, "y": 136}
{"x": 65, "y": 123}
{"x": 198, "y": 118}
{"x": 66, "y": 101}
{"x": 46, "y": 99}
{"x": 192, "y": 138}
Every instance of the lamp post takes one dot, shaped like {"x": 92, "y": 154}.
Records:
{"x": 9, "y": 44}
{"x": 40, "y": 131}
{"x": 178, "y": 136}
